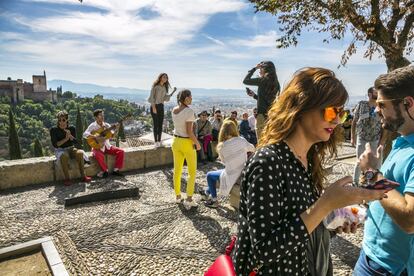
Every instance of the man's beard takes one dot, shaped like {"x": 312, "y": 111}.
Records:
{"x": 395, "y": 123}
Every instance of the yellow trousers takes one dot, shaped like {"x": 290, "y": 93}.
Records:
{"x": 183, "y": 149}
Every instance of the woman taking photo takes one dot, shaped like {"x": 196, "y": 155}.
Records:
{"x": 282, "y": 203}
{"x": 159, "y": 95}
{"x": 184, "y": 146}
{"x": 232, "y": 150}
{"x": 267, "y": 90}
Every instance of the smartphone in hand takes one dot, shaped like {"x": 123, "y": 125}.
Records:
{"x": 383, "y": 184}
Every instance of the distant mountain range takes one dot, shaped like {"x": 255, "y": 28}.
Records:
{"x": 138, "y": 95}
{"x": 141, "y": 95}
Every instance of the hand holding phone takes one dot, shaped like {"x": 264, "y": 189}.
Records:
{"x": 384, "y": 183}
{"x": 249, "y": 91}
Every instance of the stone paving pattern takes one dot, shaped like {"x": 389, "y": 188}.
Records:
{"x": 150, "y": 235}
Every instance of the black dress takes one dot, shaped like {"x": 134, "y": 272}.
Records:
{"x": 275, "y": 190}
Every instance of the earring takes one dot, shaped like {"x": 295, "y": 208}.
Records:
{"x": 406, "y": 103}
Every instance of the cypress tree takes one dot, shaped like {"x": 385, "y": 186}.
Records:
{"x": 121, "y": 132}
{"x": 117, "y": 140}
{"x": 37, "y": 148}
{"x": 86, "y": 146}
{"x": 14, "y": 144}
{"x": 79, "y": 129}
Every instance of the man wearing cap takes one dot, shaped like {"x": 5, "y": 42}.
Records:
{"x": 202, "y": 130}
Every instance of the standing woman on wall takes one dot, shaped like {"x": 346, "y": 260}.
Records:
{"x": 268, "y": 88}
{"x": 159, "y": 95}
{"x": 184, "y": 146}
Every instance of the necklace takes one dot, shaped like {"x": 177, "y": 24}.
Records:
{"x": 300, "y": 157}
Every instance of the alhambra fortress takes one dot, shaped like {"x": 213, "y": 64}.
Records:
{"x": 18, "y": 90}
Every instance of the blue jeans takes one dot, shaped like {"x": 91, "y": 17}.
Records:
{"x": 367, "y": 267}
{"x": 212, "y": 178}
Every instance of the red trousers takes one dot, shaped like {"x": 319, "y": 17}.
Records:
{"x": 100, "y": 157}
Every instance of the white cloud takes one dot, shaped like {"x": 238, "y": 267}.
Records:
{"x": 60, "y": 52}
{"x": 217, "y": 41}
{"x": 122, "y": 25}
{"x": 267, "y": 40}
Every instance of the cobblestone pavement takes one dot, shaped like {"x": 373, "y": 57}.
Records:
{"x": 151, "y": 235}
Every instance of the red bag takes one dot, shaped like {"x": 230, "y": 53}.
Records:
{"x": 223, "y": 265}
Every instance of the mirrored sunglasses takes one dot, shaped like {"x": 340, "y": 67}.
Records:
{"x": 330, "y": 114}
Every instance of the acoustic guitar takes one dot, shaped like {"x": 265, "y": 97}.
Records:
{"x": 105, "y": 132}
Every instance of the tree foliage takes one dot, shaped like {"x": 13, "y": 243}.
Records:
{"x": 121, "y": 132}
{"x": 86, "y": 146}
{"x": 14, "y": 144}
{"x": 384, "y": 26}
{"x": 33, "y": 120}
{"x": 79, "y": 128}
{"x": 37, "y": 148}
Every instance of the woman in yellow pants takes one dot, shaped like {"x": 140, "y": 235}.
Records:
{"x": 184, "y": 147}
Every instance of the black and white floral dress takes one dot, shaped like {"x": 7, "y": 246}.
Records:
{"x": 275, "y": 190}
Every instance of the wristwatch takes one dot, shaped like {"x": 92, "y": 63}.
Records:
{"x": 370, "y": 175}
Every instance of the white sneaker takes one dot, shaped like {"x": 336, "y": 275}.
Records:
{"x": 178, "y": 200}
{"x": 161, "y": 144}
{"x": 157, "y": 144}
{"x": 190, "y": 204}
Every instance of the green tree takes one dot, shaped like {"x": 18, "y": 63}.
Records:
{"x": 121, "y": 132}
{"x": 117, "y": 140}
{"x": 86, "y": 146}
{"x": 68, "y": 95}
{"x": 37, "y": 148}
{"x": 385, "y": 26}
{"x": 14, "y": 144}
{"x": 79, "y": 128}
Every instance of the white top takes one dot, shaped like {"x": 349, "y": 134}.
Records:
{"x": 216, "y": 124}
{"x": 233, "y": 154}
{"x": 94, "y": 126}
{"x": 252, "y": 122}
{"x": 180, "y": 119}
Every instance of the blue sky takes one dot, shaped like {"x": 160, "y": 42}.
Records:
{"x": 199, "y": 43}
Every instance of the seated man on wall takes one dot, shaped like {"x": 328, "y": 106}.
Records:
{"x": 93, "y": 132}
{"x": 63, "y": 140}
{"x": 202, "y": 130}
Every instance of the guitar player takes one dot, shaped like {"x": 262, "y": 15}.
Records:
{"x": 106, "y": 148}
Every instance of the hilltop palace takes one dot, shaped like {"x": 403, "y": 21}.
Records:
{"x": 37, "y": 91}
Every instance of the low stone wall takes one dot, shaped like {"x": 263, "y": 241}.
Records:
{"x": 16, "y": 173}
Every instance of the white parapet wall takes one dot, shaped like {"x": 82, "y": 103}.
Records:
{"x": 17, "y": 173}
